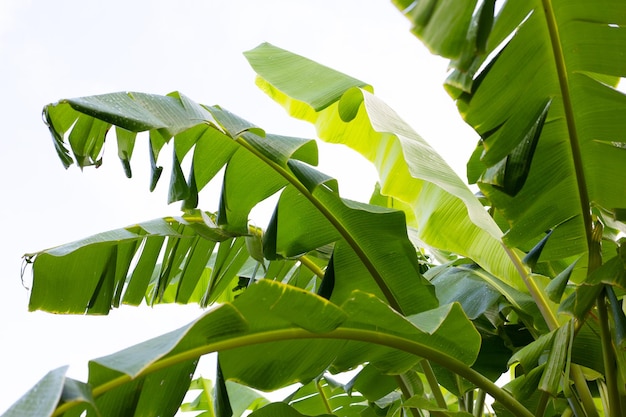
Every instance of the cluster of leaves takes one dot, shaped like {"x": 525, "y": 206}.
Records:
{"x": 529, "y": 274}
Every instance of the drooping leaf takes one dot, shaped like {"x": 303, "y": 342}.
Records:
{"x": 127, "y": 265}
{"x": 257, "y": 165}
{"x": 420, "y": 177}
{"x": 156, "y": 170}
{"x": 328, "y": 281}
{"x": 518, "y": 76}
{"x": 247, "y": 181}
{"x": 64, "y": 118}
{"x": 178, "y": 189}
{"x": 580, "y": 301}
{"x": 274, "y": 335}
{"x": 231, "y": 256}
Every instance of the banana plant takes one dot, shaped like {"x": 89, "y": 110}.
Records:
{"x": 428, "y": 292}
{"x": 537, "y": 82}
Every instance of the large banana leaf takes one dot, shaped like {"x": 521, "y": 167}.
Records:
{"x": 545, "y": 104}
{"x": 186, "y": 259}
{"x": 447, "y": 215}
{"x": 376, "y": 254}
{"x": 537, "y": 82}
{"x": 301, "y": 334}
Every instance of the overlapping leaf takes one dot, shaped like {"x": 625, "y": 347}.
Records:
{"x": 448, "y": 216}
{"x": 570, "y": 55}
{"x": 262, "y": 336}
{"x": 257, "y": 165}
{"x": 163, "y": 260}
{"x": 545, "y": 105}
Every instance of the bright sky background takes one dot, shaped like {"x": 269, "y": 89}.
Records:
{"x": 67, "y": 48}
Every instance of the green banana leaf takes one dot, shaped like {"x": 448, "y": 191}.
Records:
{"x": 260, "y": 336}
{"x": 257, "y": 165}
{"x": 447, "y": 215}
{"x": 545, "y": 78}
{"x": 163, "y": 260}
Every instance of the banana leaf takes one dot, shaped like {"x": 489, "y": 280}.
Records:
{"x": 257, "y": 166}
{"x": 260, "y": 336}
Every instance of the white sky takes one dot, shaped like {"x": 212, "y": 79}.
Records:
{"x": 68, "y": 48}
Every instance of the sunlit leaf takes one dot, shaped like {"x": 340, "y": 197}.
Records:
{"x": 420, "y": 177}
{"x": 257, "y": 165}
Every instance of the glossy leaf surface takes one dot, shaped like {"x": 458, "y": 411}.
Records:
{"x": 282, "y": 319}
{"x": 409, "y": 169}
{"x": 257, "y": 165}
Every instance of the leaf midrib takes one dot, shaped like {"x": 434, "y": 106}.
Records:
{"x": 341, "y": 333}
{"x": 561, "y": 70}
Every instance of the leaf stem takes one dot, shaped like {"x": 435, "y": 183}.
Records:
{"x": 407, "y": 394}
{"x": 362, "y": 335}
{"x": 608, "y": 355}
{"x": 479, "y": 405}
{"x": 583, "y": 391}
{"x": 469, "y": 401}
{"x": 593, "y": 260}
{"x": 585, "y": 207}
{"x": 320, "y": 391}
{"x": 553, "y": 324}
{"x": 434, "y": 384}
{"x": 533, "y": 289}
{"x": 312, "y": 266}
